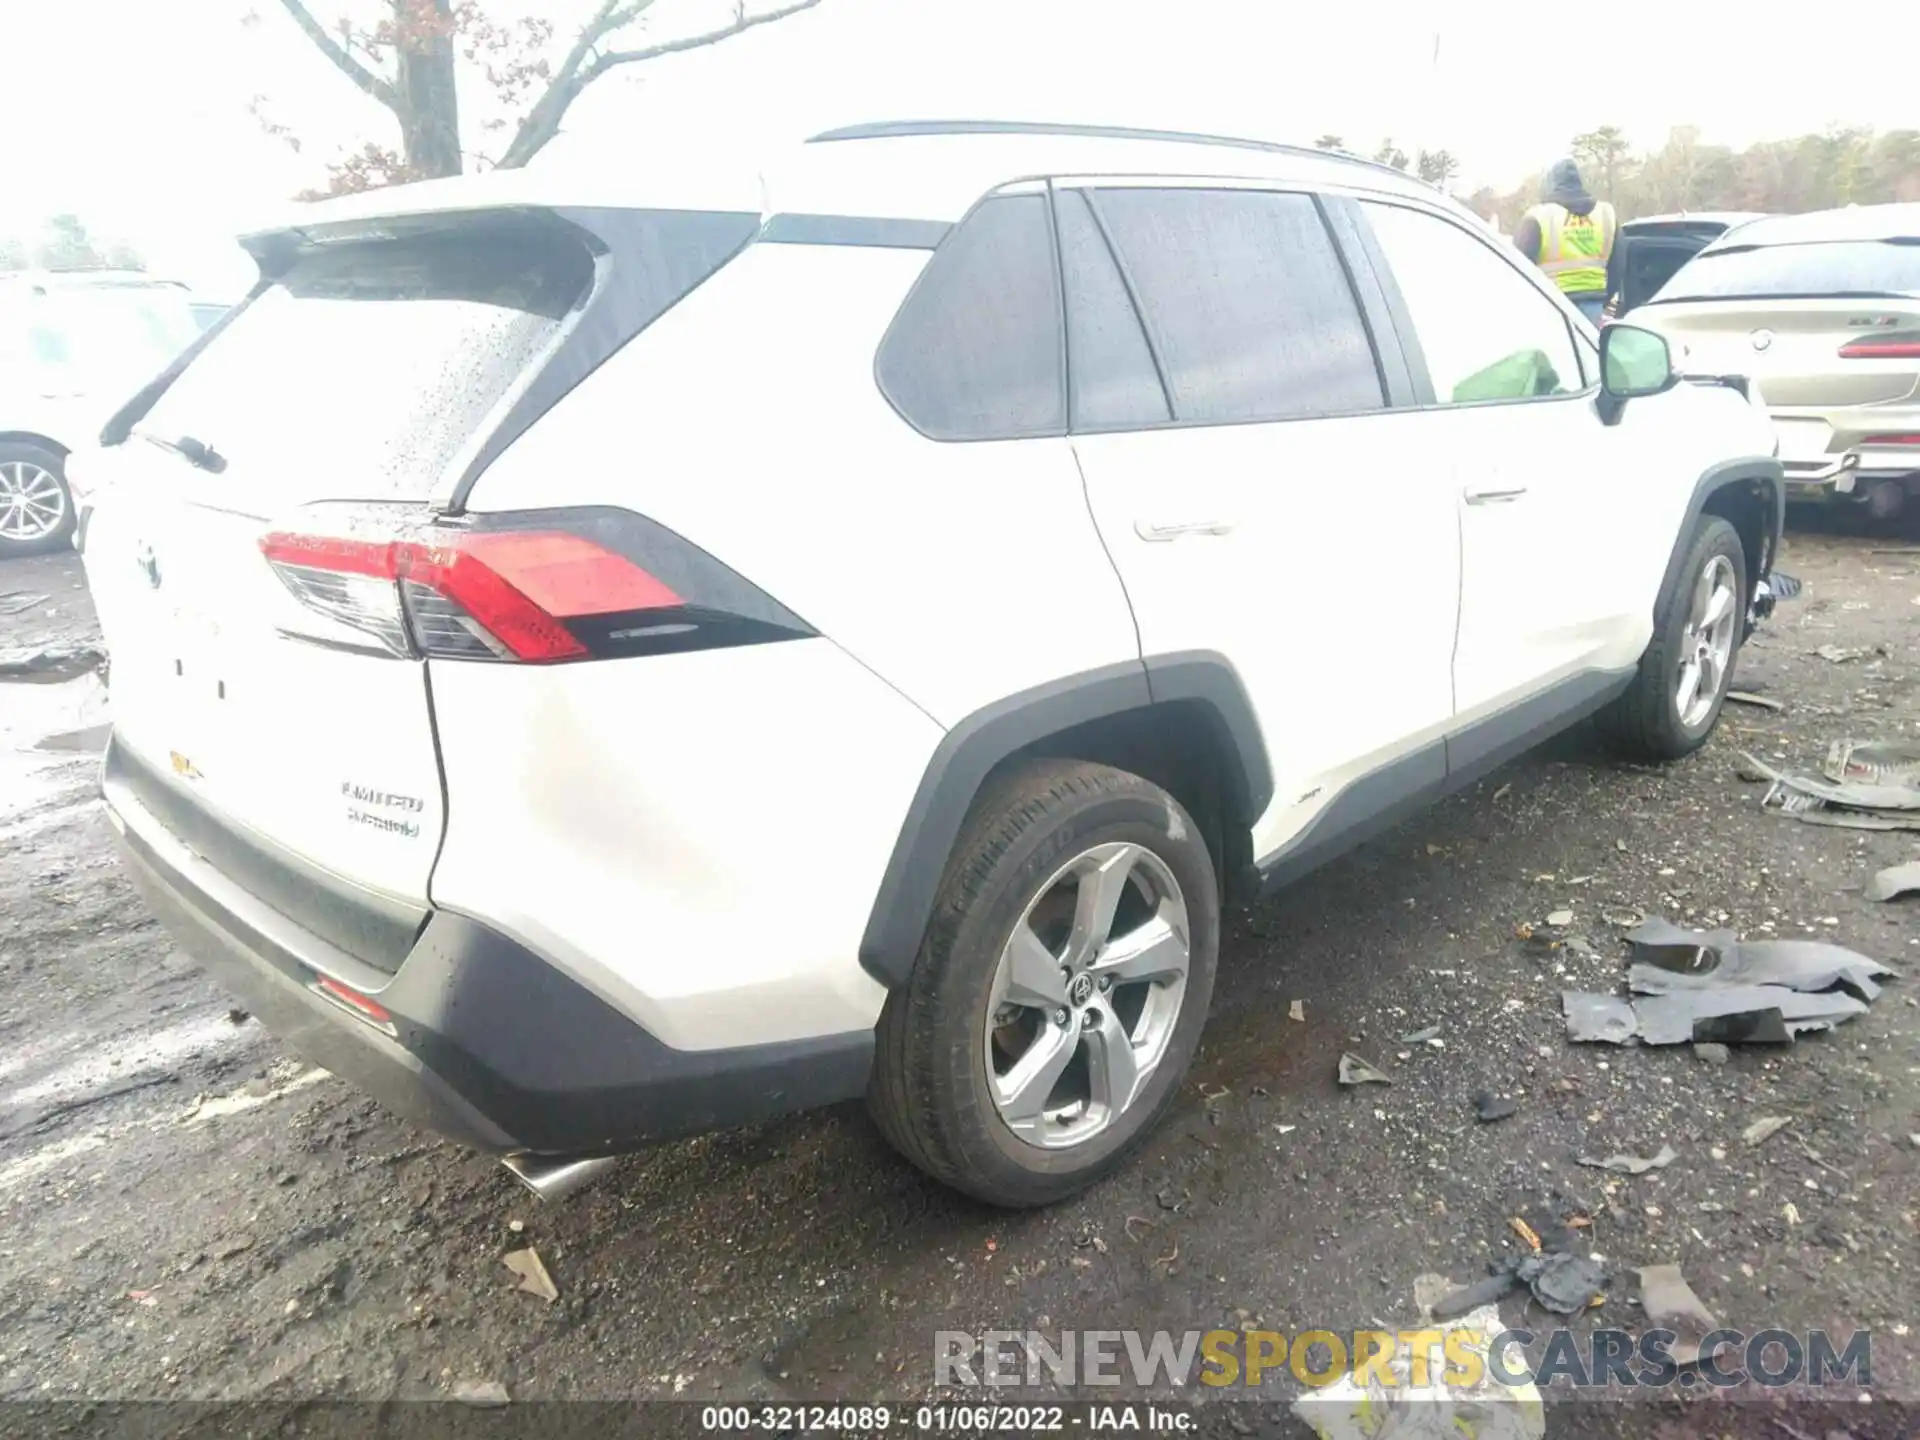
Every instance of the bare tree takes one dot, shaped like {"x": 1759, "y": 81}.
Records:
{"x": 409, "y": 62}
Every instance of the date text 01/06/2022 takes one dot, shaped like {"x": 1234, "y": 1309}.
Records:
{"x": 960, "y": 1419}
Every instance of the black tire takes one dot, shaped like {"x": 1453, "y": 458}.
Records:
{"x": 929, "y": 1093}
{"x": 1645, "y": 723}
{"x": 19, "y": 452}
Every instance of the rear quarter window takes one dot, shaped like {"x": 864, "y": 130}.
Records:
{"x": 975, "y": 352}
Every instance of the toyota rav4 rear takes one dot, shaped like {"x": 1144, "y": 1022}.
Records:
{"x": 454, "y": 797}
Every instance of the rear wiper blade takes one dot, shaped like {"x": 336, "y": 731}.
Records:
{"x": 196, "y": 453}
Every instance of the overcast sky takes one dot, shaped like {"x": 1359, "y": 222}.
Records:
{"x": 135, "y": 113}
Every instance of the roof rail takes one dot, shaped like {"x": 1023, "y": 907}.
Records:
{"x": 888, "y": 129}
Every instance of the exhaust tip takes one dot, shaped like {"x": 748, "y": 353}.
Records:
{"x": 553, "y": 1179}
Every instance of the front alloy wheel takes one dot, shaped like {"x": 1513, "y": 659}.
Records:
{"x": 1707, "y": 647}
{"x": 33, "y": 502}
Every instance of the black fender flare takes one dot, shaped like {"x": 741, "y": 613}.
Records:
{"x": 971, "y": 750}
{"x": 1758, "y": 470}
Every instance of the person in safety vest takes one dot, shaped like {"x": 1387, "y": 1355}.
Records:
{"x": 1569, "y": 235}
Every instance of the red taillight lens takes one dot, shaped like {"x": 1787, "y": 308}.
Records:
{"x": 1891, "y": 347}
{"x": 364, "y": 1006}
{"x": 520, "y": 587}
{"x": 1891, "y": 440}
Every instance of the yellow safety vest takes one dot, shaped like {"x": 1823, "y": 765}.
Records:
{"x": 1574, "y": 248}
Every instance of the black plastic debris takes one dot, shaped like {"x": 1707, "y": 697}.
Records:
{"x": 1563, "y": 1283}
{"x": 1488, "y": 1107}
{"x": 1690, "y": 985}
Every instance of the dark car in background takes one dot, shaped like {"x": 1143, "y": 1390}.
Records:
{"x": 1649, "y": 251}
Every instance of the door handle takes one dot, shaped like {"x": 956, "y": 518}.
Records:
{"x": 1493, "y": 494}
{"x": 1174, "y": 529}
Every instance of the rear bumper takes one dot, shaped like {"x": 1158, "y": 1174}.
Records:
{"x": 488, "y": 1044}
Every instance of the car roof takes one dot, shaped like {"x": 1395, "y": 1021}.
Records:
{"x": 914, "y": 169}
{"x": 1854, "y": 222}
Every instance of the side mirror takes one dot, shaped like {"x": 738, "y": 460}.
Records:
{"x": 1634, "y": 363}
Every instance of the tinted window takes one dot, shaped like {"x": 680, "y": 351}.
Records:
{"x": 1878, "y": 267}
{"x": 974, "y": 353}
{"x": 1486, "y": 332}
{"x": 1110, "y": 370}
{"x": 1247, "y": 302}
{"x": 365, "y": 369}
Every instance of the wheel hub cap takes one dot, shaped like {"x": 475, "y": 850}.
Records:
{"x": 31, "y": 501}
{"x": 1087, "y": 995}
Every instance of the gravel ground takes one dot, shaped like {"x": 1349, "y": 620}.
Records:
{"x": 192, "y": 1213}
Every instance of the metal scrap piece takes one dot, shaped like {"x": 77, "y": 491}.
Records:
{"x": 1739, "y": 1014}
{"x": 1668, "y": 958}
{"x": 1355, "y": 1071}
{"x": 1631, "y": 1164}
{"x": 1895, "y": 881}
{"x": 1671, "y": 1305}
{"x": 1874, "y": 761}
{"x": 1857, "y": 794}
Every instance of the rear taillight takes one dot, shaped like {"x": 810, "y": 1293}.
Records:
{"x": 530, "y": 586}
{"x": 1891, "y": 440}
{"x": 1884, "y": 347}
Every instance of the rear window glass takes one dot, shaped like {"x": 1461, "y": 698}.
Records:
{"x": 1872, "y": 267}
{"x": 366, "y": 368}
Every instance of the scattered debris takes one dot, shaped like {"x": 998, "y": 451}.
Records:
{"x": 1865, "y": 786}
{"x": 1712, "y": 1052}
{"x": 1842, "y": 654}
{"x": 483, "y": 1394}
{"x": 1398, "y": 1408}
{"x": 1286, "y": 1129}
{"x": 1355, "y": 1071}
{"x": 1710, "y": 986}
{"x": 1422, "y": 1037}
{"x": 1671, "y": 1305}
{"x": 1560, "y": 1281}
{"x": 1763, "y": 1129}
{"x": 48, "y": 663}
{"x": 1747, "y": 697}
{"x": 1297, "y": 1010}
{"x": 1526, "y": 1232}
{"x": 1488, "y": 1107}
{"x": 534, "y": 1278}
{"x": 1895, "y": 881}
{"x": 1632, "y": 1164}
{"x": 18, "y": 602}
{"x": 1560, "y": 919}
{"x": 237, "y": 1016}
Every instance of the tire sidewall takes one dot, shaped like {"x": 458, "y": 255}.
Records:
{"x": 1716, "y": 538}
{"x": 1144, "y": 818}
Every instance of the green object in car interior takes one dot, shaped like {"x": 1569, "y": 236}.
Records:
{"x": 1519, "y": 376}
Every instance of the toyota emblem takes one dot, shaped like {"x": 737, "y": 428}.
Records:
{"x": 1762, "y": 339}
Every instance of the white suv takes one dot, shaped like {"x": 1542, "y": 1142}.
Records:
{"x": 596, "y": 661}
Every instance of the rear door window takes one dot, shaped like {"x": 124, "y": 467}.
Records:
{"x": 1246, "y": 303}
{"x": 369, "y": 366}
{"x": 1113, "y": 381}
{"x": 975, "y": 351}
{"x": 1836, "y": 267}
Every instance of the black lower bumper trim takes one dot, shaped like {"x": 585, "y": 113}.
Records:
{"x": 494, "y": 1047}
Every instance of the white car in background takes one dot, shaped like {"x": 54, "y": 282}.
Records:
{"x": 73, "y": 346}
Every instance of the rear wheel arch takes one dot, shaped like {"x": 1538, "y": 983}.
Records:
{"x": 33, "y": 437}
{"x": 1183, "y": 721}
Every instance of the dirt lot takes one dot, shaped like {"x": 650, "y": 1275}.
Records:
{"x": 189, "y": 1211}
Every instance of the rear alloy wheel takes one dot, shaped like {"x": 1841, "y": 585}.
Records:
{"x": 1061, "y": 989}
{"x": 35, "y": 511}
{"x": 1676, "y": 696}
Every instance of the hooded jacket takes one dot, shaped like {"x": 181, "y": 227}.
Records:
{"x": 1562, "y": 186}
